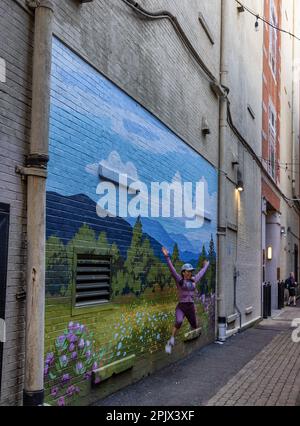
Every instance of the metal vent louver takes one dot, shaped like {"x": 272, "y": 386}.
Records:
{"x": 92, "y": 280}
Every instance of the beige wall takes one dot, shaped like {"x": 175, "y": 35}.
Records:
{"x": 244, "y": 52}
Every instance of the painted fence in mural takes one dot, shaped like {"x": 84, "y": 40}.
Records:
{"x": 97, "y": 134}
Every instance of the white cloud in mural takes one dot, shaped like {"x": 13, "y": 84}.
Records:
{"x": 114, "y": 163}
{"x": 150, "y": 137}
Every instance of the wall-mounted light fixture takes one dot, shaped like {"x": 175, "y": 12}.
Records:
{"x": 205, "y": 127}
{"x": 240, "y": 183}
{"x": 257, "y": 24}
{"x": 282, "y": 231}
{"x": 270, "y": 253}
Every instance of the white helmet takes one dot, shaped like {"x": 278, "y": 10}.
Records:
{"x": 187, "y": 267}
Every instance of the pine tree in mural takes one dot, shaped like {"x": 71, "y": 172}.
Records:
{"x": 102, "y": 243}
{"x": 204, "y": 281}
{"x": 119, "y": 277}
{"x": 146, "y": 262}
{"x": 117, "y": 260}
{"x": 84, "y": 240}
{"x": 133, "y": 263}
{"x": 176, "y": 258}
{"x": 159, "y": 274}
{"x": 57, "y": 267}
{"x": 212, "y": 268}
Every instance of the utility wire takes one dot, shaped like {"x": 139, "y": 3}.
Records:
{"x": 257, "y": 16}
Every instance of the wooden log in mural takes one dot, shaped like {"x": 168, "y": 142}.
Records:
{"x": 191, "y": 335}
{"x": 109, "y": 370}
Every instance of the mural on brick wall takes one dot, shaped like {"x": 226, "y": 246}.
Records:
{"x": 116, "y": 192}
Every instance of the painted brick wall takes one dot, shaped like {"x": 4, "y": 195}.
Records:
{"x": 92, "y": 123}
{"x": 15, "y": 99}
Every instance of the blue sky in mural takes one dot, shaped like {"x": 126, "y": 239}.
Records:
{"x": 93, "y": 122}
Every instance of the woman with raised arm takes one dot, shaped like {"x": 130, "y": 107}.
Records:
{"x": 186, "y": 286}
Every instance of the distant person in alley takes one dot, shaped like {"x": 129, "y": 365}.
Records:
{"x": 186, "y": 286}
{"x": 291, "y": 286}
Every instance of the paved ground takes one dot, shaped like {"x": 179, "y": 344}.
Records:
{"x": 272, "y": 377}
{"x": 260, "y": 366}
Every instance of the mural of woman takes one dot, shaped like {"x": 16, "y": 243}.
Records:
{"x": 186, "y": 286}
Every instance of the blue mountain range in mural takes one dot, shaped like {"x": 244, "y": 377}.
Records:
{"x": 66, "y": 215}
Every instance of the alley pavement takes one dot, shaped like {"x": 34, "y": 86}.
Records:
{"x": 260, "y": 366}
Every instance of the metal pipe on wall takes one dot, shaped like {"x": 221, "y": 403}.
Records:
{"x": 222, "y": 225}
{"x": 35, "y": 171}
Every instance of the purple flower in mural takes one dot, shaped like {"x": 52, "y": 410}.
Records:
{"x": 54, "y": 391}
{"x": 97, "y": 380}
{"x": 81, "y": 344}
{"x": 87, "y": 375}
{"x": 65, "y": 378}
{"x": 79, "y": 368}
{"x": 63, "y": 360}
{"x": 50, "y": 358}
{"x": 61, "y": 402}
{"x": 82, "y": 328}
{"x": 77, "y": 389}
{"x": 71, "y": 347}
{"x": 71, "y": 390}
{"x": 95, "y": 366}
{"x": 87, "y": 343}
{"x": 71, "y": 325}
{"x": 73, "y": 355}
{"x": 88, "y": 354}
{"x": 71, "y": 338}
{"x": 60, "y": 341}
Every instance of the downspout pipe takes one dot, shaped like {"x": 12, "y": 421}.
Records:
{"x": 222, "y": 225}
{"x": 235, "y": 277}
{"x": 36, "y": 172}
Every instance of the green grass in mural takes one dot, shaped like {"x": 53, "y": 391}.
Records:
{"x": 111, "y": 335}
{"x": 137, "y": 321}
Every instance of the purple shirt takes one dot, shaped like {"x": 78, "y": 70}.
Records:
{"x": 186, "y": 290}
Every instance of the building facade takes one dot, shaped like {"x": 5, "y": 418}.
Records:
{"x": 280, "y": 142}
{"x": 132, "y": 105}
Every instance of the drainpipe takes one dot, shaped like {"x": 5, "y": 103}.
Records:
{"x": 222, "y": 225}
{"x": 36, "y": 172}
{"x": 294, "y": 195}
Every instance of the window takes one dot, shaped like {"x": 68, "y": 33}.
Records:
{"x": 272, "y": 141}
{"x": 93, "y": 280}
{"x": 273, "y": 39}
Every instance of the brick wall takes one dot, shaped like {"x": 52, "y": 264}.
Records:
{"x": 15, "y": 99}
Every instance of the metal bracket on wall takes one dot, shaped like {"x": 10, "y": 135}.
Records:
{"x": 221, "y": 231}
{"x": 31, "y": 171}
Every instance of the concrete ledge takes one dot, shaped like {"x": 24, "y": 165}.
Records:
{"x": 191, "y": 335}
{"x": 249, "y": 310}
{"x": 245, "y": 326}
{"x": 109, "y": 370}
{"x": 231, "y": 318}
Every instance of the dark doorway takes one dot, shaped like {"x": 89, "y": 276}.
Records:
{"x": 296, "y": 262}
{"x": 4, "y": 225}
